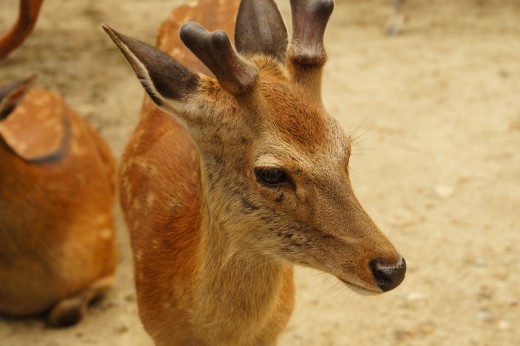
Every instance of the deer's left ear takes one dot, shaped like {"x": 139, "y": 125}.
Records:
{"x": 260, "y": 29}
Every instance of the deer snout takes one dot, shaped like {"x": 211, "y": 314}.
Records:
{"x": 388, "y": 275}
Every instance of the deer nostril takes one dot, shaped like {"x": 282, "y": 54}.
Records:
{"x": 388, "y": 276}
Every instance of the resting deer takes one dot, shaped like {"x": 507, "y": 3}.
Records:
{"x": 57, "y": 190}
{"x": 241, "y": 177}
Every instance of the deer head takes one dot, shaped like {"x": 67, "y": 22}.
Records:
{"x": 274, "y": 163}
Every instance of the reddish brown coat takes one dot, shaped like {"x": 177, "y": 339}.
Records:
{"x": 57, "y": 195}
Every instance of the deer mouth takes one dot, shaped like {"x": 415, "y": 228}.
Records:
{"x": 361, "y": 290}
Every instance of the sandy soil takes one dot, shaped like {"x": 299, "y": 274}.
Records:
{"x": 437, "y": 165}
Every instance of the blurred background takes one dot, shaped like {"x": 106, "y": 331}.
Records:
{"x": 436, "y": 116}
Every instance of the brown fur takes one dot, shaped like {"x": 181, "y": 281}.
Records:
{"x": 56, "y": 223}
{"x": 213, "y": 248}
{"x": 308, "y": 135}
{"x": 57, "y": 190}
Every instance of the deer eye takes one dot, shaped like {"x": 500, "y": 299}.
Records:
{"x": 271, "y": 177}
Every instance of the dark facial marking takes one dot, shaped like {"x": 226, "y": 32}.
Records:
{"x": 248, "y": 206}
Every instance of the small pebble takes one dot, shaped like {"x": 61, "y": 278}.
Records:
{"x": 415, "y": 296}
{"x": 444, "y": 191}
{"x": 480, "y": 262}
{"x": 503, "y": 325}
{"x": 484, "y": 315}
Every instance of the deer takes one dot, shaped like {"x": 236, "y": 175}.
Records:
{"x": 236, "y": 172}
{"x": 396, "y": 21}
{"x": 57, "y": 192}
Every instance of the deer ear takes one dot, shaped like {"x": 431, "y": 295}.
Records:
{"x": 260, "y": 29}
{"x": 164, "y": 79}
{"x": 12, "y": 94}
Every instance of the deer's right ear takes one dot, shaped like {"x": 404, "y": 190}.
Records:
{"x": 166, "y": 81}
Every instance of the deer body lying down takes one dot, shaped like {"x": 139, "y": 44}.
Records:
{"x": 57, "y": 190}
{"x": 244, "y": 175}
{"x": 57, "y": 248}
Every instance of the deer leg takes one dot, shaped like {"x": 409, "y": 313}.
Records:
{"x": 71, "y": 310}
{"x": 396, "y": 20}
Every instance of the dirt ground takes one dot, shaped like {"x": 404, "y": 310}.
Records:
{"x": 437, "y": 164}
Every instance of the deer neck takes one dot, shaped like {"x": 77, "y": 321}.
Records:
{"x": 239, "y": 288}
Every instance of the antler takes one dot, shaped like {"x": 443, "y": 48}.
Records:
{"x": 215, "y": 50}
{"x": 306, "y": 52}
{"x": 260, "y": 29}
{"x": 310, "y": 18}
{"x": 29, "y": 10}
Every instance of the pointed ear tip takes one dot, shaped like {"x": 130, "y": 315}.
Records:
{"x": 16, "y": 90}
{"x": 30, "y": 79}
{"x": 25, "y": 83}
{"x": 110, "y": 31}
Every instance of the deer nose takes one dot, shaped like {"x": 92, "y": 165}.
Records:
{"x": 388, "y": 276}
